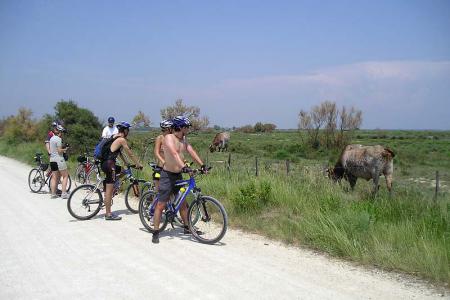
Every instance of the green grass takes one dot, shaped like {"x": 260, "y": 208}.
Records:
{"x": 409, "y": 232}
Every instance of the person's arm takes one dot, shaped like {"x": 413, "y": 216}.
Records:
{"x": 130, "y": 154}
{"x": 194, "y": 154}
{"x": 104, "y": 133}
{"x": 157, "y": 152}
{"x": 47, "y": 146}
{"x": 61, "y": 150}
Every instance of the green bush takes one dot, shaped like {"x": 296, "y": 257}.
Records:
{"x": 252, "y": 198}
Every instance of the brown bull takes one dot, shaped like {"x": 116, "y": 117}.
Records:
{"x": 368, "y": 162}
{"x": 220, "y": 142}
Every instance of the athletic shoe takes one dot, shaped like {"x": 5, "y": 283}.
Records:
{"x": 65, "y": 195}
{"x": 54, "y": 196}
{"x": 113, "y": 217}
{"x": 155, "y": 238}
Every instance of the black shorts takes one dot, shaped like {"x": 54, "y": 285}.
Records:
{"x": 167, "y": 185}
{"x": 111, "y": 170}
{"x": 54, "y": 166}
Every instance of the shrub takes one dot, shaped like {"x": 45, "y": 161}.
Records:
{"x": 251, "y": 199}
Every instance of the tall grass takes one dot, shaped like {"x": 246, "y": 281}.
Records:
{"x": 408, "y": 232}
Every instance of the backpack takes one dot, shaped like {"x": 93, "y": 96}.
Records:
{"x": 103, "y": 148}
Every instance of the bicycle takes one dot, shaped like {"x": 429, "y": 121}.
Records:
{"x": 84, "y": 169}
{"x": 207, "y": 218}
{"x": 38, "y": 178}
{"x": 86, "y": 200}
{"x": 137, "y": 188}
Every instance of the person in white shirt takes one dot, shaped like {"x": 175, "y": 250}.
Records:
{"x": 109, "y": 130}
{"x": 58, "y": 163}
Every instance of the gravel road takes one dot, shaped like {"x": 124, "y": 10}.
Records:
{"x": 46, "y": 254}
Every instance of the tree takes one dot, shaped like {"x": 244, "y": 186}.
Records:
{"x": 324, "y": 119}
{"x": 84, "y": 128}
{"x": 141, "y": 120}
{"x": 191, "y": 112}
{"x": 20, "y": 128}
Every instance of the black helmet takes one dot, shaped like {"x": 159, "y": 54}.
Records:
{"x": 111, "y": 120}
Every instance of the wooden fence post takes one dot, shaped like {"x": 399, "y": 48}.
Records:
{"x": 436, "y": 191}
{"x": 229, "y": 164}
{"x": 287, "y": 166}
{"x": 256, "y": 165}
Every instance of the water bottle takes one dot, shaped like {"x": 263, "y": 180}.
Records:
{"x": 178, "y": 197}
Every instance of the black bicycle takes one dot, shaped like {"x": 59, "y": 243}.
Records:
{"x": 38, "y": 177}
{"x": 87, "y": 199}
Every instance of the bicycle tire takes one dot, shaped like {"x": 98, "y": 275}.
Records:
{"x": 213, "y": 218}
{"x": 35, "y": 176}
{"x": 147, "y": 219}
{"x": 81, "y": 176}
{"x": 75, "y": 207}
{"x": 59, "y": 187}
{"x": 131, "y": 199}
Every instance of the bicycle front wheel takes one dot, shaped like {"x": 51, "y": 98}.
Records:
{"x": 146, "y": 213}
{"x": 212, "y": 224}
{"x": 35, "y": 180}
{"x": 133, "y": 195}
{"x": 85, "y": 202}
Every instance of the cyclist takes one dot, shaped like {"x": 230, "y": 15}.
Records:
{"x": 175, "y": 145}
{"x": 166, "y": 128}
{"x": 110, "y": 130}
{"x": 49, "y": 136}
{"x": 57, "y": 162}
{"x": 118, "y": 144}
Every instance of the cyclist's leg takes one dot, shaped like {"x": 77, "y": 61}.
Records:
{"x": 166, "y": 186}
{"x": 62, "y": 167}
{"x": 108, "y": 167}
{"x": 55, "y": 178}
{"x": 184, "y": 213}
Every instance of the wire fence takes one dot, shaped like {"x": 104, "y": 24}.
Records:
{"x": 438, "y": 181}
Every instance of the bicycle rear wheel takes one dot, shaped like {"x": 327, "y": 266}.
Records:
{"x": 59, "y": 187}
{"x": 35, "y": 180}
{"x": 146, "y": 213}
{"x": 213, "y": 220}
{"x": 133, "y": 195}
{"x": 85, "y": 202}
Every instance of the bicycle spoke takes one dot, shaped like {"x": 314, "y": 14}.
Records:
{"x": 211, "y": 220}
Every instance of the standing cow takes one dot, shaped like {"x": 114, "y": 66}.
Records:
{"x": 367, "y": 162}
{"x": 220, "y": 142}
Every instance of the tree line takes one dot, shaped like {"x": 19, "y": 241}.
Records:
{"x": 324, "y": 126}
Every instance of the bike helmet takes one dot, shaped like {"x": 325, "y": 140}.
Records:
{"x": 111, "y": 120}
{"x": 60, "y": 128}
{"x": 181, "y": 121}
{"x": 166, "y": 124}
{"x": 54, "y": 124}
{"x": 124, "y": 125}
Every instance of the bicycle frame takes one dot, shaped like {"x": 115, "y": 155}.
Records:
{"x": 175, "y": 204}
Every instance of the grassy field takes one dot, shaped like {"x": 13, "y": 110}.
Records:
{"x": 409, "y": 232}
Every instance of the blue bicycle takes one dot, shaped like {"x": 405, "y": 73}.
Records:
{"x": 207, "y": 218}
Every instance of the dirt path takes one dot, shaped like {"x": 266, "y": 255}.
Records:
{"x": 45, "y": 253}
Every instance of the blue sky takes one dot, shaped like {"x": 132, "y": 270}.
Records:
{"x": 240, "y": 61}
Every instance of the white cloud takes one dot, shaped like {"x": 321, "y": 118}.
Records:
{"x": 392, "y": 94}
